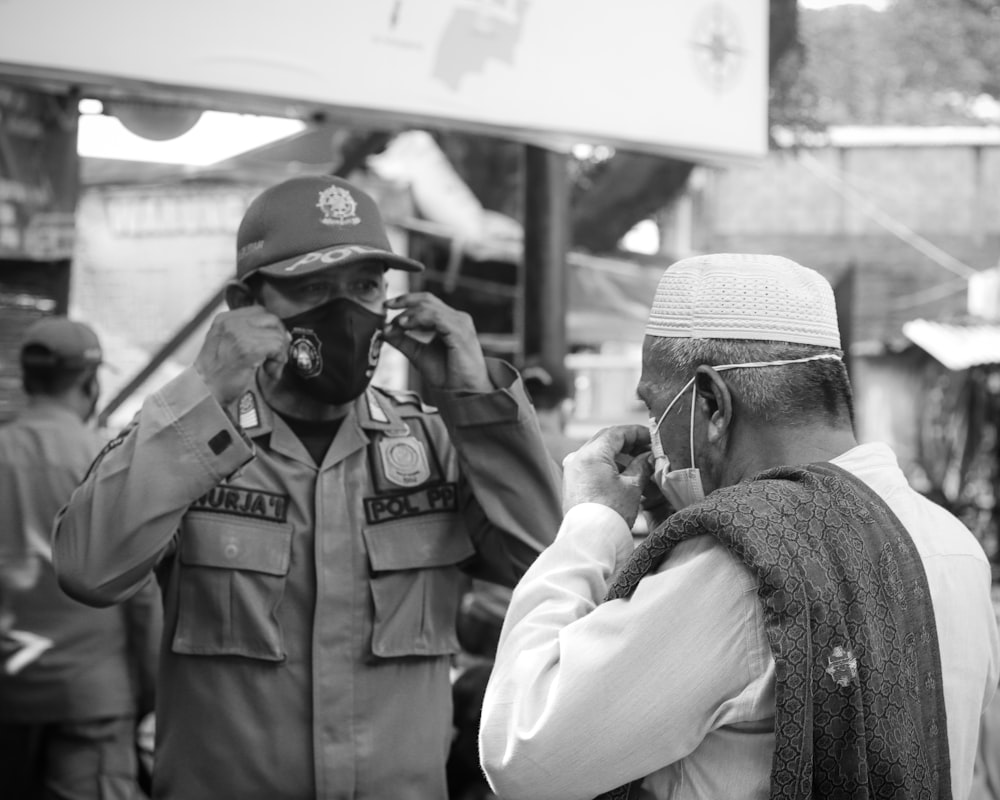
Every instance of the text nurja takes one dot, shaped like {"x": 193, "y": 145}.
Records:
{"x": 244, "y": 503}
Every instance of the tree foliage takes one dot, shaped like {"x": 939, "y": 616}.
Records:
{"x": 920, "y": 62}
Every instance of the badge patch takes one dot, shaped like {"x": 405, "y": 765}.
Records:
{"x": 247, "y": 411}
{"x": 843, "y": 666}
{"x": 304, "y": 353}
{"x": 404, "y": 460}
{"x": 442, "y": 497}
{"x": 338, "y": 207}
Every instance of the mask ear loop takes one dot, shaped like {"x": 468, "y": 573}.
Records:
{"x": 723, "y": 368}
{"x": 673, "y": 402}
{"x": 820, "y": 357}
{"x": 654, "y": 432}
{"x": 694, "y": 399}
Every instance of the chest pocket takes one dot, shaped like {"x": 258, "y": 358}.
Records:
{"x": 416, "y": 584}
{"x": 232, "y": 578}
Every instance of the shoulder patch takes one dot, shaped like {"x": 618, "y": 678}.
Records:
{"x": 247, "y": 411}
{"x": 405, "y": 397}
{"x": 111, "y": 445}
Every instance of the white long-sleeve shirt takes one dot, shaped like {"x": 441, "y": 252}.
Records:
{"x": 677, "y": 683}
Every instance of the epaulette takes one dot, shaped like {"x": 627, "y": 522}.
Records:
{"x": 406, "y": 397}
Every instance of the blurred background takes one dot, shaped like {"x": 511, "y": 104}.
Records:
{"x": 546, "y": 161}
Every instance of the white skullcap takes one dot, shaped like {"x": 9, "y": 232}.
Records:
{"x": 742, "y": 296}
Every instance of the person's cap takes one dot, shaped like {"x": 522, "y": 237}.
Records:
{"x": 310, "y": 223}
{"x": 744, "y": 296}
{"x": 60, "y": 343}
{"x": 546, "y": 386}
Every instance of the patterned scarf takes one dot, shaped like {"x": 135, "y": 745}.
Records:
{"x": 859, "y": 703}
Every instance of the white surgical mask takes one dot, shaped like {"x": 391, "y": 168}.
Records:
{"x": 683, "y": 487}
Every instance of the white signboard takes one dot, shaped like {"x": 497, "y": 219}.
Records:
{"x": 687, "y": 77}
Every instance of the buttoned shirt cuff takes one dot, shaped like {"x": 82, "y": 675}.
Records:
{"x": 222, "y": 447}
{"x": 502, "y": 405}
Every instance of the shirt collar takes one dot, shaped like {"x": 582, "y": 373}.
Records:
{"x": 372, "y": 410}
{"x": 875, "y": 463}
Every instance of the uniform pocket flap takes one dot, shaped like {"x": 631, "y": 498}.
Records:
{"x": 417, "y": 543}
{"x": 234, "y": 546}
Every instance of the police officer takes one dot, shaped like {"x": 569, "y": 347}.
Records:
{"x": 312, "y": 534}
{"x": 73, "y": 679}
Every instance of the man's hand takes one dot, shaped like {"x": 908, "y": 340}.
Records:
{"x": 611, "y": 469}
{"x": 237, "y": 343}
{"x": 439, "y": 341}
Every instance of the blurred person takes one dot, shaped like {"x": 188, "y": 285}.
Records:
{"x": 986, "y": 776}
{"x": 310, "y": 531}
{"x": 465, "y": 777}
{"x": 805, "y": 624}
{"x": 484, "y": 605}
{"x": 75, "y": 680}
{"x": 552, "y": 398}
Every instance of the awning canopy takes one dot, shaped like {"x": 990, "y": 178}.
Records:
{"x": 608, "y": 299}
{"x": 956, "y": 345}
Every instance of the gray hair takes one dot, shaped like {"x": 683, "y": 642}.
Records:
{"x": 792, "y": 394}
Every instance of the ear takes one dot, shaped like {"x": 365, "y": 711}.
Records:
{"x": 238, "y": 295}
{"x": 714, "y": 393}
{"x": 92, "y": 386}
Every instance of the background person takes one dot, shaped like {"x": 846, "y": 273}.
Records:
{"x": 551, "y": 394}
{"x": 484, "y": 605}
{"x": 309, "y": 531}
{"x": 804, "y": 625}
{"x": 75, "y": 680}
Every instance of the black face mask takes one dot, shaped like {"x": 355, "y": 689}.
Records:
{"x": 334, "y": 350}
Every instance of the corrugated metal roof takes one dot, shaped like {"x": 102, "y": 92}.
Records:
{"x": 957, "y": 346}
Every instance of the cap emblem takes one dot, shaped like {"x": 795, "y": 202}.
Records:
{"x": 338, "y": 207}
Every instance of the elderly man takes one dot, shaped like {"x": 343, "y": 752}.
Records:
{"x": 311, "y": 533}
{"x": 804, "y": 624}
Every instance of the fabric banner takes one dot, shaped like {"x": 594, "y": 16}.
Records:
{"x": 39, "y": 174}
{"x": 681, "y": 77}
{"x": 38, "y": 192}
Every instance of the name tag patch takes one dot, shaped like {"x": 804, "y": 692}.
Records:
{"x": 244, "y": 503}
{"x": 430, "y": 500}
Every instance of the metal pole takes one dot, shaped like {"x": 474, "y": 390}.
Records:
{"x": 546, "y": 243}
{"x": 162, "y": 355}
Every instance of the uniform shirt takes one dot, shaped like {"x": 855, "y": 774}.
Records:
{"x": 310, "y": 609}
{"x": 99, "y": 657}
{"x": 677, "y": 683}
